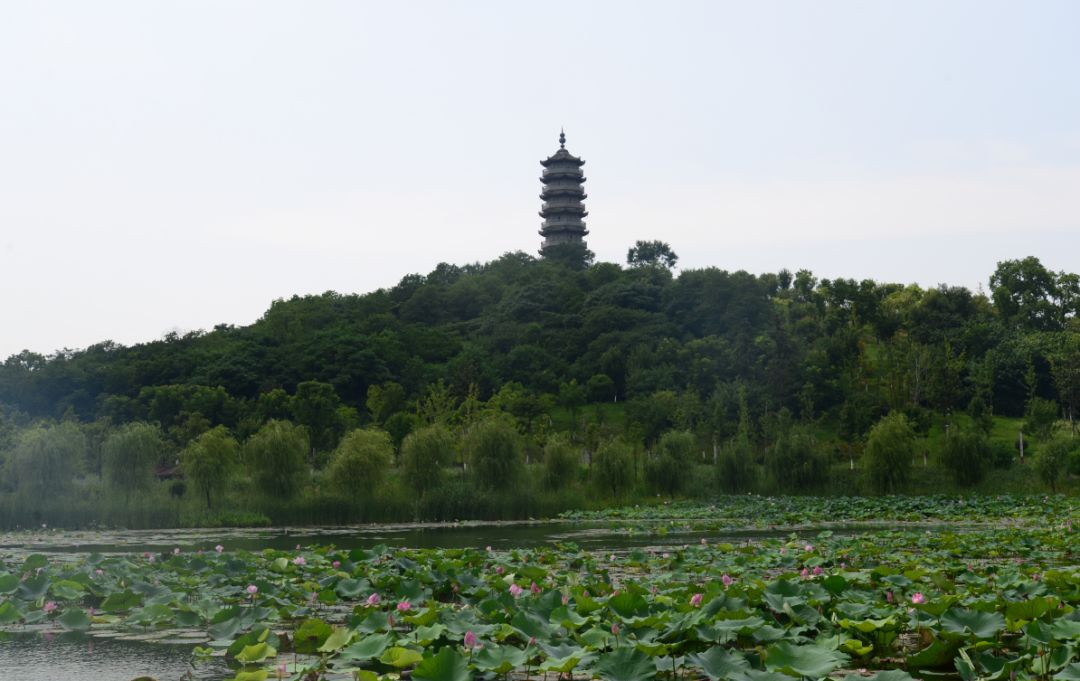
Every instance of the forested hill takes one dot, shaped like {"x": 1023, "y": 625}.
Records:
{"x": 537, "y": 335}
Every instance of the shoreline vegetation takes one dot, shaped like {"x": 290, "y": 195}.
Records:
{"x": 525, "y": 388}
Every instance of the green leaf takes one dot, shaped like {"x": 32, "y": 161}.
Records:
{"x": 1030, "y": 609}
{"x": 350, "y": 588}
{"x": 74, "y": 619}
{"x": 719, "y": 663}
{"x": 447, "y": 665}
{"x": 9, "y": 613}
{"x": 256, "y": 653}
{"x": 122, "y": 601}
{"x": 401, "y": 657}
{"x": 35, "y": 588}
{"x": 337, "y": 640}
{"x": 972, "y": 623}
{"x": 625, "y": 664}
{"x": 310, "y": 635}
{"x": 367, "y": 648}
{"x": 67, "y": 590}
{"x": 499, "y": 659}
{"x": 805, "y": 660}
{"x": 8, "y": 583}
{"x": 1071, "y": 672}
{"x": 257, "y": 675}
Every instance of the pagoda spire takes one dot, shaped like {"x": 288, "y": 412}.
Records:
{"x": 563, "y": 210}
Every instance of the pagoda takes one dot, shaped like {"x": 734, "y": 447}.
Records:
{"x": 562, "y": 211}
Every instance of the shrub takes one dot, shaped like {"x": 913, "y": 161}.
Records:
{"x": 890, "y": 447}
{"x": 1052, "y": 459}
{"x": 210, "y": 462}
{"x": 130, "y": 454}
{"x": 735, "y": 468}
{"x": 275, "y": 455}
{"x": 561, "y": 461}
{"x": 1040, "y": 418}
{"x": 613, "y": 467}
{"x": 672, "y": 462}
{"x": 424, "y": 452}
{"x": 360, "y": 462}
{"x": 493, "y": 449}
{"x": 966, "y": 455}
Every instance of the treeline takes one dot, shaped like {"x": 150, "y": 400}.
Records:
{"x": 596, "y": 358}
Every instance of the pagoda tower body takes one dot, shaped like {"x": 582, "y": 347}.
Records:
{"x": 563, "y": 211}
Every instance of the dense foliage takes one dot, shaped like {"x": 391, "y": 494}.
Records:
{"x": 772, "y": 381}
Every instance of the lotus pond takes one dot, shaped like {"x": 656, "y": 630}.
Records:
{"x": 972, "y": 592}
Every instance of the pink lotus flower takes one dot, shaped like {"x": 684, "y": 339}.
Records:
{"x": 299, "y": 561}
{"x": 533, "y": 588}
{"x": 515, "y": 590}
{"x": 565, "y": 599}
{"x": 373, "y": 600}
{"x": 99, "y": 572}
{"x": 918, "y": 598}
{"x": 176, "y": 551}
{"x": 531, "y": 641}
{"x": 404, "y": 606}
{"x": 336, "y": 564}
{"x": 219, "y": 548}
{"x": 695, "y": 600}
{"x": 252, "y": 589}
{"x": 151, "y": 559}
{"x": 809, "y": 547}
{"x": 615, "y": 628}
{"x": 470, "y": 640}
{"x": 703, "y": 542}
{"x": 49, "y": 606}
{"x": 818, "y": 570}
{"x": 888, "y": 596}
{"x": 499, "y": 569}
{"x": 726, "y": 580}
{"x": 805, "y": 574}
{"x": 488, "y": 549}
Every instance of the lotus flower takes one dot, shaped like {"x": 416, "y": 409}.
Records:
{"x": 805, "y": 574}
{"x": 726, "y": 580}
{"x": 888, "y": 596}
{"x": 533, "y": 588}
{"x": 219, "y": 548}
{"x": 49, "y": 606}
{"x": 918, "y": 598}
{"x": 404, "y": 605}
{"x": 373, "y": 599}
{"x": 818, "y": 570}
{"x": 695, "y": 600}
{"x": 515, "y": 590}
{"x": 615, "y": 628}
{"x": 470, "y": 640}
{"x": 252, "y": 589}
{"x": 299, "y": 561}
{"x": 336, "y": 564}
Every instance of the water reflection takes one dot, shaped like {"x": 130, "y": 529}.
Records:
{"x": 48, "y": 656}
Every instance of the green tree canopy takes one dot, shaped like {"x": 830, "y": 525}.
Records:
{"x": 130, "y": 454}
{"x": 211, "y": 461}
{"x": 361, "y": 462}
{"x": 276, "y": 455}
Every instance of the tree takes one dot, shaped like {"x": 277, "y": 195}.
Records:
{"x": 561, "y": 461}
{"x": 673, "y": 462}
{"x": 1065, "y": 368}
{"x": 966, "y": 454}
{"x": 793, "y": 462}
{"x": 45, "y": 461}
{"x": 424, "y": 452}
{"x": 130, "y": 454}
{"x": 1026, "y": 294}
{"x": 385, "y": 400}
{"x": 1040, "y": 418}
{"x": 613, "y": 468}
{"x": 316, "y": 406}
{"x": 890, "y": 447}
{"x": 276, "y": 456}
{"x": 360, "y": 462}
{"x": 1052, "y": 459}
{"x": 210, "y": 462}
{"x": 651, "y": 254}
{"x": 493, "y": 449}
{"x": 572, "y": 254}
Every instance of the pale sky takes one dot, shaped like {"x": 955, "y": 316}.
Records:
{"x": 175, "y": 165}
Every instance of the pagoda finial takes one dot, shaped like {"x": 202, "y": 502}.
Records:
{"x": 562, "y": 138}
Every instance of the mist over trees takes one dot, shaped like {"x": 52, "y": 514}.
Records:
{"x": 556, "y": 374}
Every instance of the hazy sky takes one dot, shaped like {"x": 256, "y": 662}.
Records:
{"x": 171, "y": 166}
